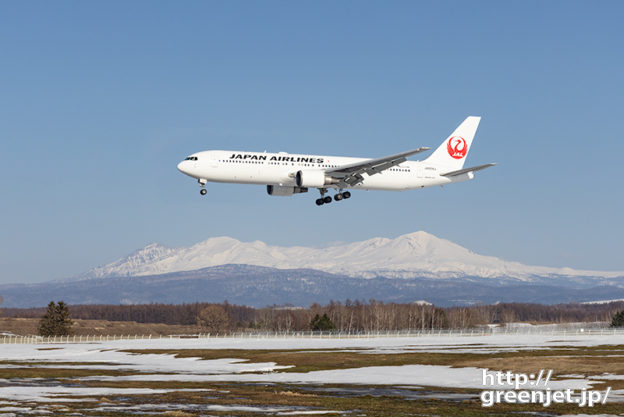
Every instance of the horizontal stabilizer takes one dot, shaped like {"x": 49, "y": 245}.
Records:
{"x": 466, "y": 170}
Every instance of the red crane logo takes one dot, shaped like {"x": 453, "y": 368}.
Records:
{"x": 457, "y": 147}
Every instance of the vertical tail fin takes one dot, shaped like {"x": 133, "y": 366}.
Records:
{"x": 451, "y": 154}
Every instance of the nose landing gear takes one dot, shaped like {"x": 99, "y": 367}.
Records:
{"x": 202, "y": 182}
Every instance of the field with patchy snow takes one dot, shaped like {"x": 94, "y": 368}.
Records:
{"x": 387, "y": 376}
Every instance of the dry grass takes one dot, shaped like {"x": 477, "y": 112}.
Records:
{"x": 289, "y": 395}
{"x": 178, "y": 414}
{"x": 28, "y": 327}
{"x": 54, "y": 373}
{"x": 312, "y": 360}
{"x": 561, "y": 365}
{"x": 565, "y": 360}
{"x": 590, "y": 361}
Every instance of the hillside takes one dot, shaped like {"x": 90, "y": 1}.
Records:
{"x": 260, "y": 286}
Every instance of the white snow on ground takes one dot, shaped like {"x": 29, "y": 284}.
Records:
{"x": 590, "y": 415}
{"x": 406, "y": 375}
{"x": 16, "y": 409}
{"x": 58, "y": 393}
{"x": 615, "y": 396}
{"x": 154, "y": 363}
{"x": 108, "y": 355}
{"x": 280, "y": 411}
{"x": 610, "y": 377}
{"x": 102, "y": 357}
{"x": 426, "y": 343}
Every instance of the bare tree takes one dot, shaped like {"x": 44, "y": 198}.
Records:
{"x": 213, "y": 319}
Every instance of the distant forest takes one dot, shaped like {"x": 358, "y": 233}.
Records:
{"x": 350, "y": 316}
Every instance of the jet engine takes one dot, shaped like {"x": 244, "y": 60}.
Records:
{"x": 313, "y": 179}
{"x": 278, "y": 190}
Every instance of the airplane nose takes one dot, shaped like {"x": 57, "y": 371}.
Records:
{"x": 181, "y": 167}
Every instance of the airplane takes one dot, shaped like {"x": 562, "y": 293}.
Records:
{"x": 286, "y": 174}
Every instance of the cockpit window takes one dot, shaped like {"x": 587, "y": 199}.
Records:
{"x": 190, "y": 158}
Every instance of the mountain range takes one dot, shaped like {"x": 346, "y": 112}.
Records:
{"x": 418, "y": 254}
{"x": 413, "y": 267}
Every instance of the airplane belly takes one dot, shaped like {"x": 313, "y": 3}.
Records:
{"x": 274, "y": 175}
{"x": 248, "y": 175}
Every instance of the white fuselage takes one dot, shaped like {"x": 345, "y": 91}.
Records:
{"x": 280, "y": 169}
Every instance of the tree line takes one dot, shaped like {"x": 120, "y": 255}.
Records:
{"x": 349, "y": 316}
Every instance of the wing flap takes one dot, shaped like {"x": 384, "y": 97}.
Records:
{"x": 376, "y": 164}
{"x": 351, "y": 174}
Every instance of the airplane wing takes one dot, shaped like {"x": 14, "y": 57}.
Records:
{"x": 466, "y": 170}
{"x": 351, "y": 174}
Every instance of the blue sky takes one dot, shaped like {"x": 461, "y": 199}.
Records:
{"x": 100, "y": 100}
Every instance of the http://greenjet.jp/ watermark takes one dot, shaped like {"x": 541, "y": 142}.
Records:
{"x": 520, "y": 388}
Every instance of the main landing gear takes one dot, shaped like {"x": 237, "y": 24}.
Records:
{"x": 341, "y": 196}
{"x": 327, "y": 199}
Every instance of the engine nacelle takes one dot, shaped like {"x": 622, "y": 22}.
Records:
{"x": 313, "y": 179}
{"x": 278, "y": 190}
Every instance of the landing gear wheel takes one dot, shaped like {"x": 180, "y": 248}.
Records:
{"x": 203, "y": 191}
{"x": 346, "y": 194}
{"x": 319, "y": 202}
{"x": 338, "y": 197}
{"x": 327, "y": 200}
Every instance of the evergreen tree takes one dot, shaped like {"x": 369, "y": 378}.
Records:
{"x": 322, "y": 323}
{"x": 56, "y": 321}
{"x": 618, "y": 319}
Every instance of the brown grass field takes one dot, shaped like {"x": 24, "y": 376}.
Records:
{"x": 28, "y": 327}
{"x": 245, "y": 399}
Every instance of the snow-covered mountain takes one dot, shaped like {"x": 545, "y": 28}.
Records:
{"x": 416, "y": 254}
